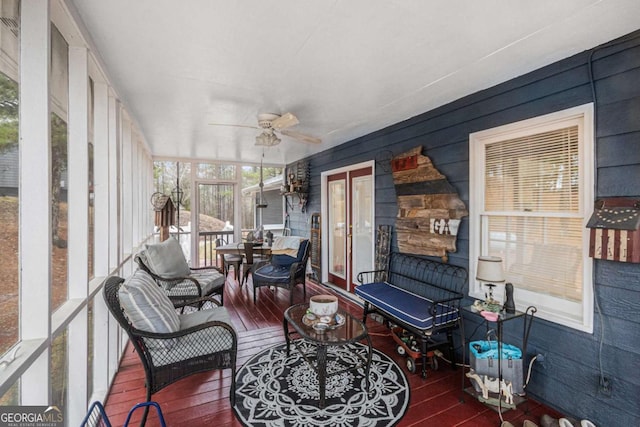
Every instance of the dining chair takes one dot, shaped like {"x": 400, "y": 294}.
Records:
{"x": 230, "y": 259}
{"x": 250, "y": 259}
{"x": 283, "y": 271}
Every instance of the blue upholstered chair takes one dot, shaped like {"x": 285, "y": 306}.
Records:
{"x": 283, "y": 271}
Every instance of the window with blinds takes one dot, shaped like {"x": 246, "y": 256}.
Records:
{"x": 531, "y": 180}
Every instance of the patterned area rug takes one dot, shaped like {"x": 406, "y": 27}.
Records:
{"x": 273, "y": 389}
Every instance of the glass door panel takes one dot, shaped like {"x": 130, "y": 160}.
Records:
{"x": 337, "y": 233}
{"x": 361, "y": 225}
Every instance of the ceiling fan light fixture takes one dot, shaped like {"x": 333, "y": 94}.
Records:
{"x": 267, "y": 139}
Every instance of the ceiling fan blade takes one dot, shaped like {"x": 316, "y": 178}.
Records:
{"x": 301, "y": 136}
{"x": 234, "y": 126}
{"x": 284, "y": 121}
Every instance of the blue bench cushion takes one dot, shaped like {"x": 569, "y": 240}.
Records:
{"x": 412, "y": 309}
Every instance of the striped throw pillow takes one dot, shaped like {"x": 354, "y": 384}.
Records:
{"x": 146, "y": 305}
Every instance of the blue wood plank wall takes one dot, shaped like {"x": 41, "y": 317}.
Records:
{"x": 568, "y": 378}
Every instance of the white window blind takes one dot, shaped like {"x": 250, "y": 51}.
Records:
{"x": 531, "y": 193}
{"x": 538, "y": 173}
{"x": 537, "y": 179}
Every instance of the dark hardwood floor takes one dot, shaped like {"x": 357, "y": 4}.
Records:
{"x": 203, "y": 399}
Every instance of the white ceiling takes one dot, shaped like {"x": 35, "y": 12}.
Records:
{"x": 345, "y": 68}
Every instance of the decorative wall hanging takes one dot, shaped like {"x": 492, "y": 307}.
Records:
{"x": 382, "y": 252}
{"x": 297, "y": 185}
{"x": 615, "y": 230}
{"x": 429, "y": 209}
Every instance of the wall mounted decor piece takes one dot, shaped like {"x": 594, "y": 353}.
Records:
{"x": 382, "y": 252}
{"x": 315, "y": 258}
{"x": 429, "y": 209}
{"x": 297, "y": 185}
{"x": 615, "y": 230}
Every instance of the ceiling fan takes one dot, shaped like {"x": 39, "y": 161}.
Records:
{"x": 271, "y": 124}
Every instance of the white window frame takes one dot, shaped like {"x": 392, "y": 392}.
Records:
{"x": 582, "y": 313}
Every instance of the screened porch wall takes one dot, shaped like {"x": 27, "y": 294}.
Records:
{"x": 68, "y": 356}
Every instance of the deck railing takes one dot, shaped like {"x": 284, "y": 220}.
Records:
{"x": 207, "y": 245}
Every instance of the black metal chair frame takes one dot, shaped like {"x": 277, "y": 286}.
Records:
{"x": 297, "y": 275}
{"x": 194, "y": 294}
{"x": 158, "y": 376}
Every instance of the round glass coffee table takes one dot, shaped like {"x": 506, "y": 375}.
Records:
{"x": 348, "y": 331}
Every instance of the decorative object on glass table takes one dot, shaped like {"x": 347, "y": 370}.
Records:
{"x": 490, "y": 271}
{"x": 491, "y": 316}
{"x": 323, "y": 323}
{"x": 323, "y": 305}
{"x": 509, "y": 304}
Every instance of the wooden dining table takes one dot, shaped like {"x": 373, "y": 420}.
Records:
{"x": 238, "y": 249}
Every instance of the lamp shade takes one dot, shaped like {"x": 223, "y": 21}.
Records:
{"x": 490, "y": 269}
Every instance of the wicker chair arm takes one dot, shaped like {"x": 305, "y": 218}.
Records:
{"x": 184, "y": 332}
{"x": 197, "y": 342}
{"x": 209, "y": 267}
{"x": 297, "y": 267}
{"x": 197, "y": 302}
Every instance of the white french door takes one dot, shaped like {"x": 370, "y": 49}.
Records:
{"x": 349, "y": 225}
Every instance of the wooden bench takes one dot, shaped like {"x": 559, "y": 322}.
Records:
{"x": 419, "y": 295}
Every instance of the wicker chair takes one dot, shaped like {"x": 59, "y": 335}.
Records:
{"x": 202, "y": 284}
{"x": 283, "y": 271}
{"x": 199, "y": 344}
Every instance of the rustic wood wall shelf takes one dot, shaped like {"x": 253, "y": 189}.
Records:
{"x": 297, "y": 185}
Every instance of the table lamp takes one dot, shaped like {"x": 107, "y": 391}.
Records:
{"x": 490, "y": 271}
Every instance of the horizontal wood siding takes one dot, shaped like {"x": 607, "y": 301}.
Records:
{"x": 568, "y": 378}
